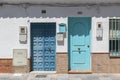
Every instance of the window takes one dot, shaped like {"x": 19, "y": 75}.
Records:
{"x": 114, "y": 37}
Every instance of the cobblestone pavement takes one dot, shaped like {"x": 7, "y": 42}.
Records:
{"x": 37, "y": 76}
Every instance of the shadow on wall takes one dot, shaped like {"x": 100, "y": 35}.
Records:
{"x": 12, "y": 11}
{"x": 60, "y": 42}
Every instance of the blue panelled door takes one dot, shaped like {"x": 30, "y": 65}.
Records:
{"x": 79, "y": 43}
{"x": 43, "y": 46}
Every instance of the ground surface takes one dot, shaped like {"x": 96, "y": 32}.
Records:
{"x": 38, "y": 76}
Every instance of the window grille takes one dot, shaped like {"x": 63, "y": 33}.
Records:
{"x": 114, "y": 37}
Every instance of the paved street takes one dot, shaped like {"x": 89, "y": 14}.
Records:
{"x": 59, "y": 76}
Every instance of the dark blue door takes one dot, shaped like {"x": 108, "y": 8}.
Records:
{"x": 43, "y": 46}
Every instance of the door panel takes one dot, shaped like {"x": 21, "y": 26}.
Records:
{"x": 43, "y": 46}
{"x": 79, "y": 57}
{"x": 79, "y": 41}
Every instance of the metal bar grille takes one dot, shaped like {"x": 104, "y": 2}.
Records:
{"x": 114, "y": 37}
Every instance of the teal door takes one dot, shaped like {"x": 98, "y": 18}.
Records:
{"x": 43, "y": 46}
{"x": 79, "y": 43}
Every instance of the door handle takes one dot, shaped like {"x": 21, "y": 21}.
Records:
{"x": 49, "y": 49}
{"x": 79, "y": 50}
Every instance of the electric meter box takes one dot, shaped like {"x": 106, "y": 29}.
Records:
{"x": 60, "y": 36}
{"x": 62, "y": 28}
{"x": 23, "y": 34}
{"x": 99, "y": 31}
{"x": 19, "y": 57}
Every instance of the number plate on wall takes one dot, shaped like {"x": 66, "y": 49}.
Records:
{"x": 19, "y": 57}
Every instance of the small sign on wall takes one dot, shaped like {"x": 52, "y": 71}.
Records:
{"x": 19, "y": 57}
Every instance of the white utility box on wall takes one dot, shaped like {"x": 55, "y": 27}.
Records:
{"x": 60, "y": 36}
{"x": 23, "y": 34}
{"x": 99, "y": 31}
{"x": 19, "y": 57}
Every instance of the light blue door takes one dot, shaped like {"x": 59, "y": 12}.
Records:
{"x": 79, "y": 43}
{"x": 43, "y": 46}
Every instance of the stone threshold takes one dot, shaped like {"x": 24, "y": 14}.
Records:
{"x": 44, "y": 72}
{"x": 79, "y": 72}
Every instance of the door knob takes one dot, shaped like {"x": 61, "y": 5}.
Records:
{"x": 88, "y": 46}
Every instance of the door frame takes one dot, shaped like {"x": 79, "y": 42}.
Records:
{"x": 69, "y": 58}
{"x": 31, "y": 71}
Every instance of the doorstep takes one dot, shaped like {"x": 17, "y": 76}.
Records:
{"x": 79, "y": 72}
{"x": 43, "y": 72}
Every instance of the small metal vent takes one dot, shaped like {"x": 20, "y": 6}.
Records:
{"x": 40, "y": 76}
{"x": 79, "y": 12}
{"x": 43, "y": 11}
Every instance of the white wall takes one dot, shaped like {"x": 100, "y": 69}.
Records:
{"x": 103, "y": 45}
{"x": 9, "y": 38}
{"x": 11, "y": 17}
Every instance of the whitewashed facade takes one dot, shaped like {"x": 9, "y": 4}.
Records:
{"x": 14, "y": 16}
